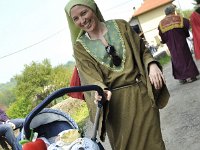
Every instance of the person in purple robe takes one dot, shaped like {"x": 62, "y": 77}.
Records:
{"x": 174, "y": 30}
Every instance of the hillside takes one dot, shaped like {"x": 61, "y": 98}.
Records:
{"x": 76, "y": 108}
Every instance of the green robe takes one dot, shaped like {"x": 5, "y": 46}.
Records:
{"x": 132, "y": 115}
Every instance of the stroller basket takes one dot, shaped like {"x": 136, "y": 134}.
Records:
{"x": 49, "y": 123}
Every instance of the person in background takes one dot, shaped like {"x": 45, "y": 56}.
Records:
{"x": 111, "y": 55}
{"x": 6, "y": 129}
{"x": 174, "y": 30}
{"x": 195, "y": 24}
{"x": 75, "y": 81}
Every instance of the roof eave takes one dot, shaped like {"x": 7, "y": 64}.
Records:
{"x": 140, "y": 13}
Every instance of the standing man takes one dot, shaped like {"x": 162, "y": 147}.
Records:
{"x": 173, "y": 30}
{"x": 195, "y": 23}
{"x": 6, "y": 129}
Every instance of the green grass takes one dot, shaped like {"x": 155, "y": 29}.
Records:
{"x": 165, "y": 60}
{"x": 80, "y": 115}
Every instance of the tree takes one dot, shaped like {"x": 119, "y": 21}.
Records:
{"x": 19, "y": 109}
{"x": 7, "y": 95}
{"x": 36, "y": 82}
{"x": 32, "y": 80}
{"x": 61, "y": 76}
{"x": 185, "y": 13}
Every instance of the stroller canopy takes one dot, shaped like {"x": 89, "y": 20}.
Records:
{"x": 50, "y": 122}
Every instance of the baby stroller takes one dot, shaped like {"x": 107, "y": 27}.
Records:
{"x": 49, "y": 123}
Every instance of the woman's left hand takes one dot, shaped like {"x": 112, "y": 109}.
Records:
{"x": 107, "y": 94}
{"x": 156, "y": 76}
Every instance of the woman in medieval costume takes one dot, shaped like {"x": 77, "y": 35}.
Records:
{"x": 111, "y": 55}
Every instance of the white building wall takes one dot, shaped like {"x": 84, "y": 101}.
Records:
{"x": 149, "y": 23}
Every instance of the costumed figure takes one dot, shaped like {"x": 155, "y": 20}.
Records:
{"x": 173, "y": 30}
{"x": 195, "y": 23}
{"x": 111, "y": 55}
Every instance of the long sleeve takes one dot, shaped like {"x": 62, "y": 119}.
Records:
{"x": 143, "y": 58}
{"x": 163, "y": 41}
{"x": 90, "y": 73}
{"x": 144, "y": 53}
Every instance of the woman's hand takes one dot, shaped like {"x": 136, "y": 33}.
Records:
{"x": 156, "y": 76}
{"x": 107, "y": 94}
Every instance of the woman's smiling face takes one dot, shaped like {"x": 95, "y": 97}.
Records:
{"x": 84, "y": 18}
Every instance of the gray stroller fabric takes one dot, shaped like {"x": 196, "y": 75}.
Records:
{"x": 48, "y": 115}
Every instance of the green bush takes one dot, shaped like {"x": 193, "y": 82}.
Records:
{"x": 19, "y": 109}
{"x": 165, "y": 60}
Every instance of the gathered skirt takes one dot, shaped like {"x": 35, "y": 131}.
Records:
{"x": 132, "y": 123}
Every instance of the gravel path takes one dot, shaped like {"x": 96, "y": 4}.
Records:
{"x": 180, "y": 120}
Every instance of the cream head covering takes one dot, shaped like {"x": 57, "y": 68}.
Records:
{"x": 75, "y": 31}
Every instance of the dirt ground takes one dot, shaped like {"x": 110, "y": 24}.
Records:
{"x": 180, "y": 119}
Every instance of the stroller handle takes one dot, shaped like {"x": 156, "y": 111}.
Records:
{"x": 57, "y": 94}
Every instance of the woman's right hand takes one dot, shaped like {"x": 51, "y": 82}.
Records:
{"x": 107, "y": 94}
